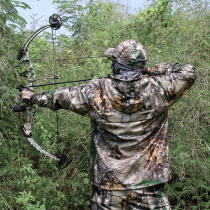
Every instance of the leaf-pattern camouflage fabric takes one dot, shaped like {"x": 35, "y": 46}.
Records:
{"x": 129, "y": 121}
{"x": 145, "y": 198}
{"x": 129, "y": 52}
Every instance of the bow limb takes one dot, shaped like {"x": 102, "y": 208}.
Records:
{"x": 24, "y": 56}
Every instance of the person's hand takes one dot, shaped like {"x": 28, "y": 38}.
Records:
{"x": 26, "y": 95}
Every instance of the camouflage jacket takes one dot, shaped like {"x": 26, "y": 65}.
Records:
{"x": 129, "y": 122}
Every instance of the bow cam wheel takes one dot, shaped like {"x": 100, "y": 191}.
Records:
{"x": 55, "y": 21}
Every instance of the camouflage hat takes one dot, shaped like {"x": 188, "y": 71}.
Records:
{"x": 128, "y": 52}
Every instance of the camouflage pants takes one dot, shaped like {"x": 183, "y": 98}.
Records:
{"x": 139, "y": 199}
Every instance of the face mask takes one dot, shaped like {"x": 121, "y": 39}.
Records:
{"x": 117, "y": 66}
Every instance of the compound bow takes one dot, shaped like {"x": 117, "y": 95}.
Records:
{"x": 55, "y": 23}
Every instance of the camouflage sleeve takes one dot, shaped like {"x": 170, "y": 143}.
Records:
{"x": 175, "y": 79}
{"x": 71, "y": 98}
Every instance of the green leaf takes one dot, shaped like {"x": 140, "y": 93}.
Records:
{"x": 106, "y": 43}
{"x": 27, "y": 181}
{"x": 86, "y": 180}
{"x": 95, "y": 52}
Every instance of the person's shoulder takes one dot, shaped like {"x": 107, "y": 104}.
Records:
{"x": 95, "y": 82}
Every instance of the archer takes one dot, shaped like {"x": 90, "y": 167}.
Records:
{"x": 129, "y": 121}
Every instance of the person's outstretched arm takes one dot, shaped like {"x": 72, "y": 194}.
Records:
{"x": 72, "y": 98}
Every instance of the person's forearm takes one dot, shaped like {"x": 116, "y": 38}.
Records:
{"x": 45, "y": 99}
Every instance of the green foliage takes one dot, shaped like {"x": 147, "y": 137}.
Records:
{"x": 171, "y": 31}
{"x": 8, "y": 12}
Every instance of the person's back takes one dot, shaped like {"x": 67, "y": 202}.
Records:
{"x": 129, "y": 121}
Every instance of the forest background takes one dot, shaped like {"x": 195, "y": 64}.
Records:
{"x": 171, "y": 31}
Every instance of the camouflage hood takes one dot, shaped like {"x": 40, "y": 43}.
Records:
{"x": 126, "y": 84}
